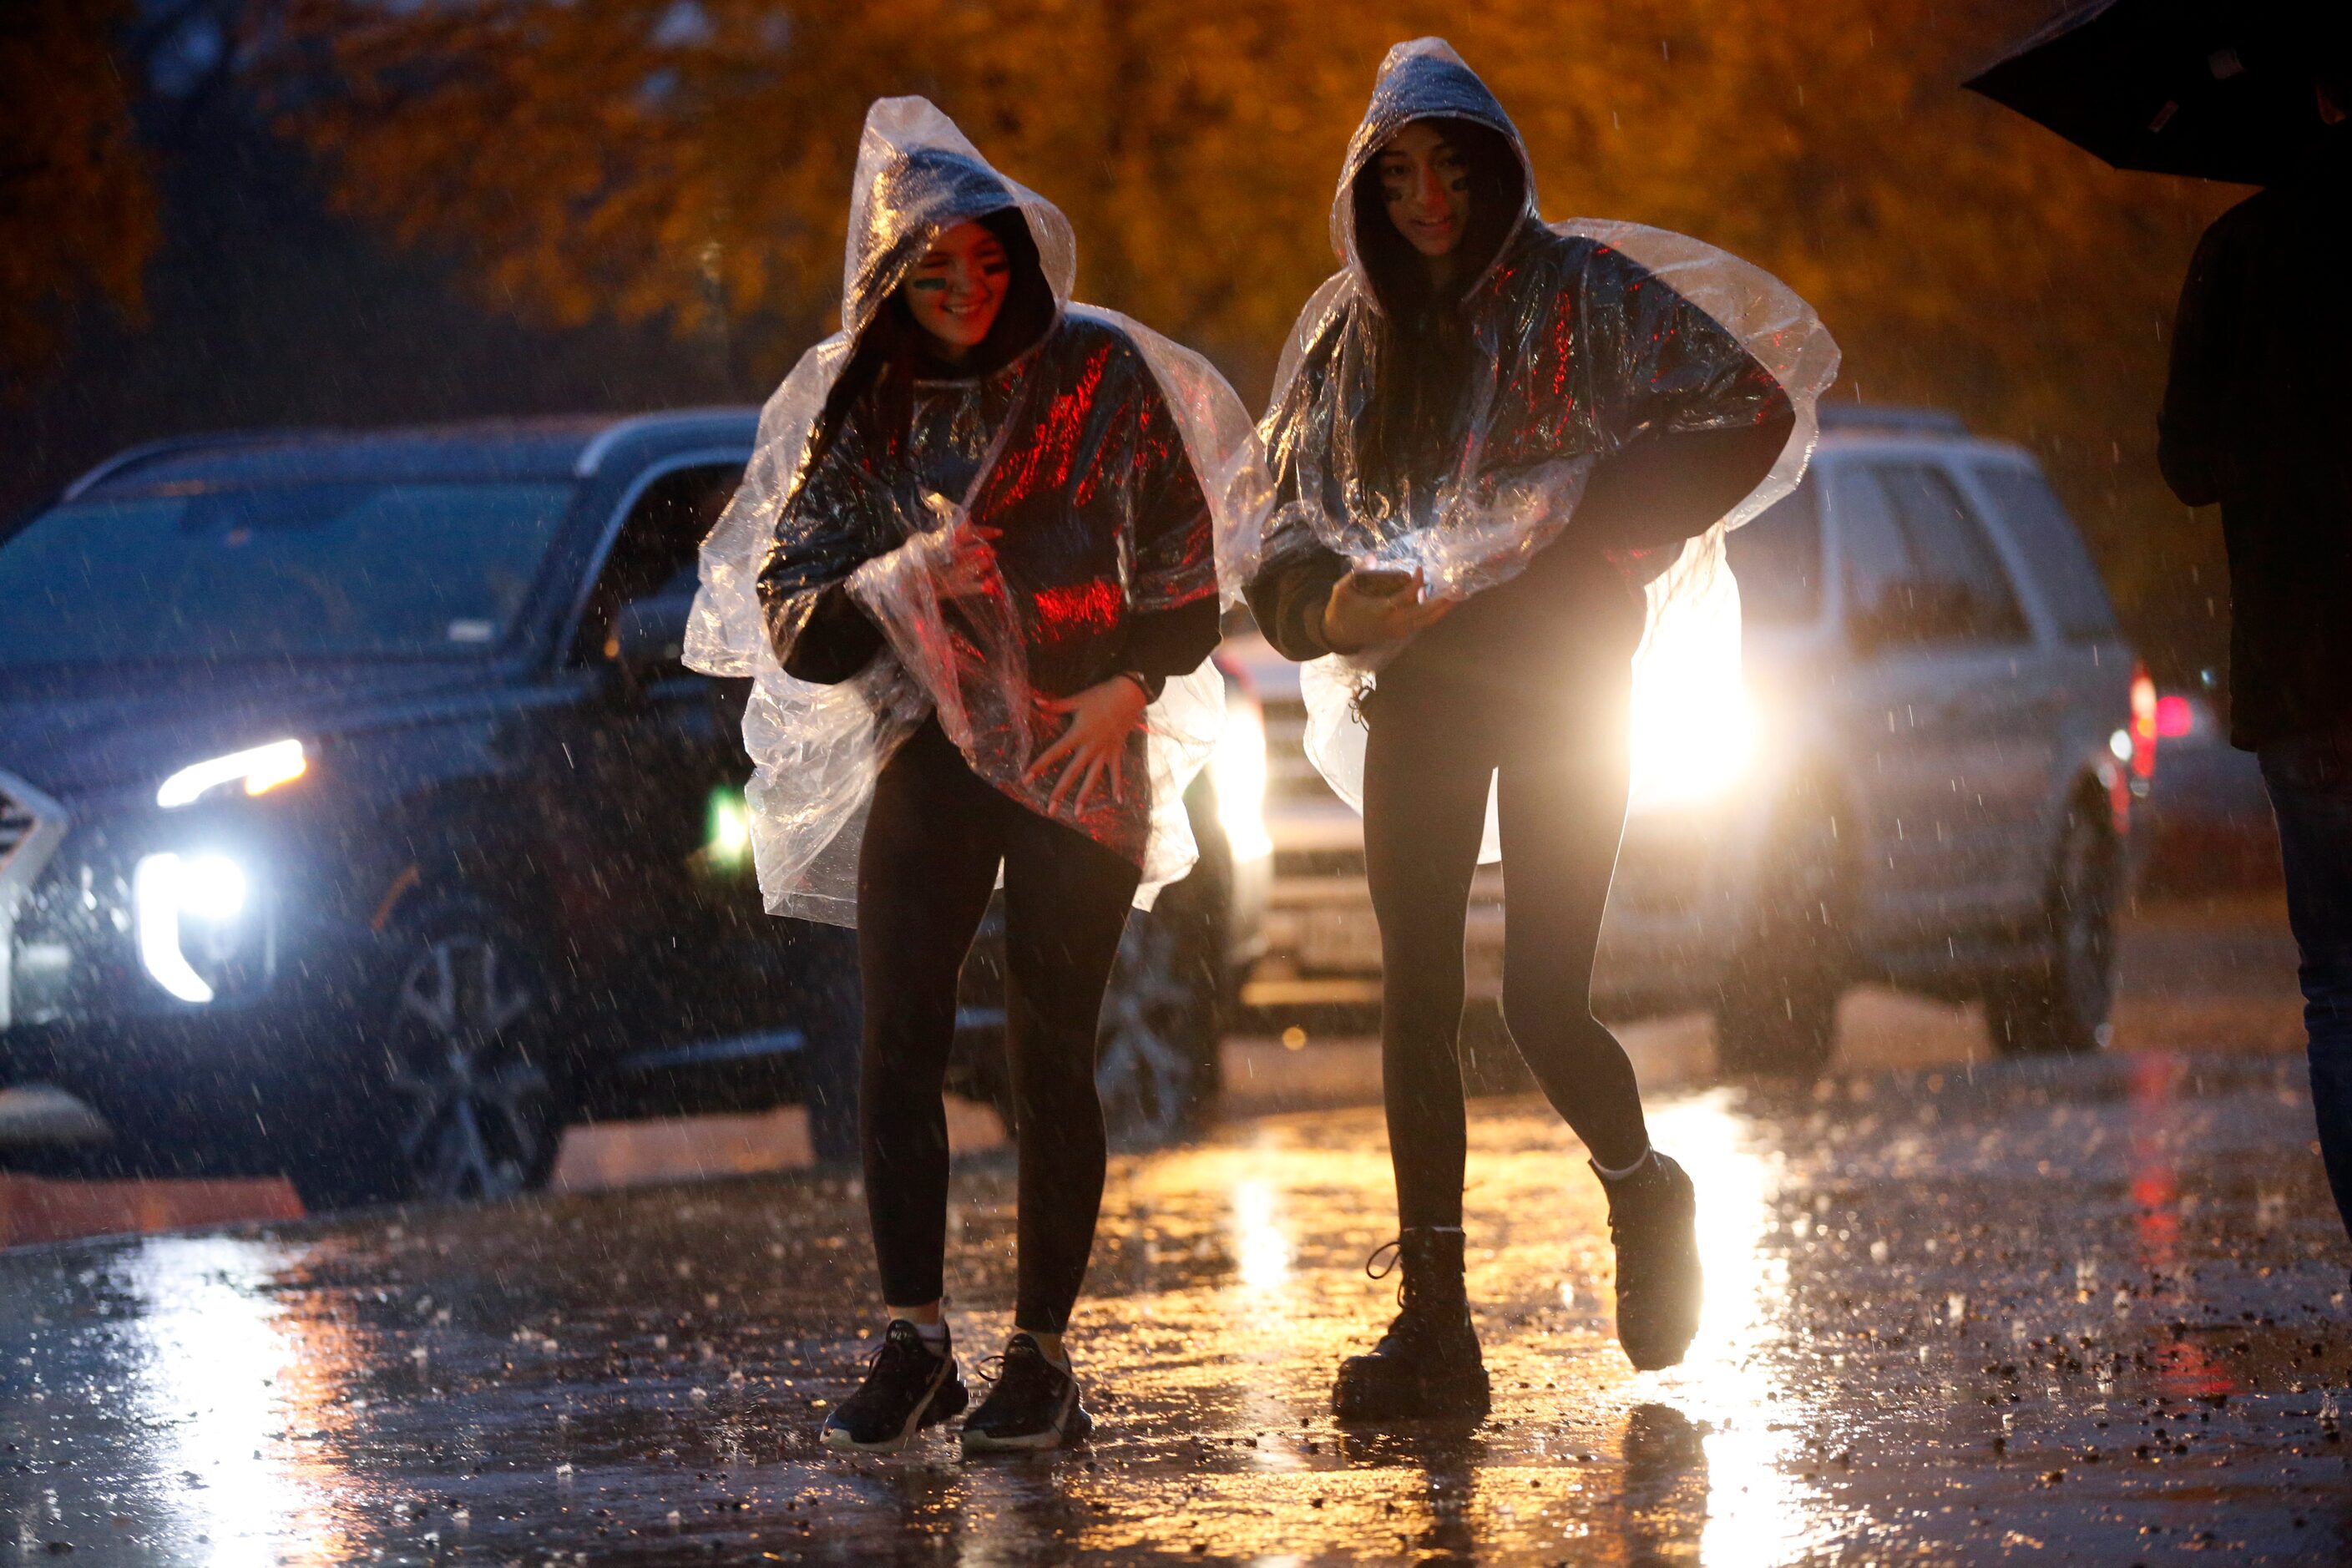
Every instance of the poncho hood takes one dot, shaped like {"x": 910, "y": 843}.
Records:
{"x": 1424, "y": 79}
{"x": 919, "y": 176}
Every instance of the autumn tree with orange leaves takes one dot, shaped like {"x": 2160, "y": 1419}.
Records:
{"x": 77, "y": 219}
{"x": 689, "y": 160}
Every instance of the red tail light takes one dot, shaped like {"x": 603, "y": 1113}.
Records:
{"x": 2143, "y": 722}
{"x": 2147, "y": 723}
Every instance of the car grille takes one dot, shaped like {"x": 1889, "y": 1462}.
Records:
{"x": 16, "y": 824}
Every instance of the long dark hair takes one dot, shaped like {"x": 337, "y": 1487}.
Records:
{"x": 1423, "y": 351}
{"x": 894, "y": 351}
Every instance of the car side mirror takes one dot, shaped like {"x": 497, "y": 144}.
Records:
{"x": 648, "y": 640}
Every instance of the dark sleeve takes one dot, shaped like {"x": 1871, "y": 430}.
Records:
{"x": 1660, "y": 363}
{"x": 1296, "y": 572}
{"x": 2193, "y": 428}
{"x": 1669, "y": 485}
{"x": 836, "y": 640}
{"x": 1175, "y": 533}
{"x": 1690, "y": 421}
{"x": 836, "y": 517}
{"x": 1287, "y": 595}
{"x": 1165, "y": 643}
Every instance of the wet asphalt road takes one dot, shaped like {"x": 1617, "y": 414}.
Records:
{"x": 2082, "y": 1312}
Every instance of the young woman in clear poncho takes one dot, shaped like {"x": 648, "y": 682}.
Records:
{"x": 973, "y": 573}
{"x": 1500, "y": 450}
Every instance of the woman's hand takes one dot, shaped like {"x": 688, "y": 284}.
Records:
{"x": 1102, "y": 717}
{"x": 966, "y": 566}
{"x": 1355, "y": 617}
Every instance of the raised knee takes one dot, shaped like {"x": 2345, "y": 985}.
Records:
{"x": 1541, "y": 1015}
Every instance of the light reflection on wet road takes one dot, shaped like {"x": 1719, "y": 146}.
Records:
{"x": 2084, "y": 1313}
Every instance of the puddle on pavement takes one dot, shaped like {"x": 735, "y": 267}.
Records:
{"x": 2086, "y": 1310}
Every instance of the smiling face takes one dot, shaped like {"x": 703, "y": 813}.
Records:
{"x": 1426, "y": 182}
{"x": 957, "y": 290}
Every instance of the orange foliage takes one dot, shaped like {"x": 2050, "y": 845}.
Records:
{"x": 76, "y": 206}
{"x": 690, "y": 159}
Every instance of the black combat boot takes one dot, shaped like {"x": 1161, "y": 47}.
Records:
{"x": 1653, "y": 1221}
{"x": 1427, "y": 1365}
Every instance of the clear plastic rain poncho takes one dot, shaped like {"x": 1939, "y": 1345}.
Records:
{"x": 1117, "y": 465}
{"x": 1584, "y": 335}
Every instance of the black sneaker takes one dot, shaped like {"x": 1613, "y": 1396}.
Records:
{"x": 907, "y": 1389}
{"x": 1653, "y": 1223}
{"x": 1427, "y": 1365}
{"x": 1034, "y": 1405}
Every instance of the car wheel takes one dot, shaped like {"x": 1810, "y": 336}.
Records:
{"x": 2061, "y": 1001}
{"x": 1155, "y": 1065}
{"x": 464, "y": 1101}
{"x": 1777, "y": 1013}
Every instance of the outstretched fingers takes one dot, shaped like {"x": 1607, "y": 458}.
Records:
{"x": 1066, "y": 743}
{"x": 1072, "y": 777}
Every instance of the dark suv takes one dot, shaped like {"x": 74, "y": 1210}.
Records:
{"x": 358, "y": 820}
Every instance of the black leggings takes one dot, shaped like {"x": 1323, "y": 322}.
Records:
{"x": 933, "y": 841}
{"x": 1434, "y": 747}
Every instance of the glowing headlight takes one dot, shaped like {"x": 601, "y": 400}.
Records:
{"x": 1695, "y": 728}
{"x": 259, "y": 769}
{"x": 1694, "y": 752}
{"x": 1237, "y": 771}
{"x": 165, "y": 890}
{"x": 729, "y": 836}
{"x": 212, "y": 888}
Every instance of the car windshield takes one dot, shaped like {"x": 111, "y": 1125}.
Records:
{"x": 342, "y": 569}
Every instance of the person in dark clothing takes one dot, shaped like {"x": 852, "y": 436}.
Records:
{"x": 1483, "y": 425}
{"x": 2258, "y": 417}
{"x": 989, "y": 544}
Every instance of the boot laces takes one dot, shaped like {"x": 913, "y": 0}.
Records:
{"x": 906, "y": 1371}
{"x": 992, "y": 1368}
{"x": 1389, "y": 1259}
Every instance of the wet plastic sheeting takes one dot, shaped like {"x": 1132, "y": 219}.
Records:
{"x": 1099, "y": 447}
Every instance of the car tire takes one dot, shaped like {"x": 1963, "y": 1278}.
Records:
{"x": 1156, "y": 1067}
{"x": 2060, "y": 1002}
{"x": 1777, "y": 1012}
{"x": 460, "y": 1096}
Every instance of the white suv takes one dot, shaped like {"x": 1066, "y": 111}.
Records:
{"x": 1926, "y": 777}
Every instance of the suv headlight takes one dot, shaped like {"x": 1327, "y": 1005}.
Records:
{"x": 1689, "y": 753}
{"x": 259, "y": 769}
{"x": 1237, "y": 771}
{"x": 191, "y": 910}
{"x": 1693, "y": 723}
